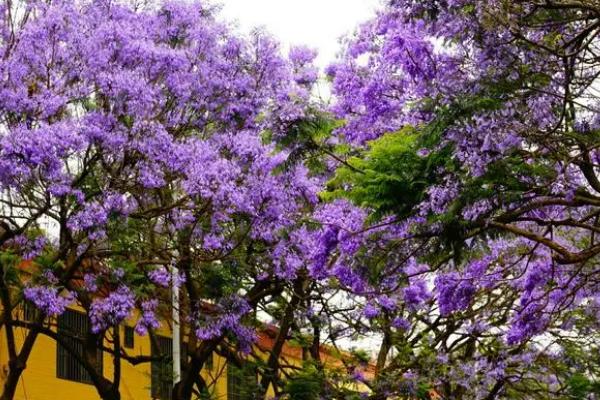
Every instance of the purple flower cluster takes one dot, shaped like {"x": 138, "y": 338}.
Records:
{"x": 148, "y": 319}
{"x": 90, "y": 282}
{"x": 454, "y": 292}
{"x": 160, "y": 276}
{"x": 228, "y": 321}
{"x": 47, "y": 296}
{"x": 28, "y": 248}
{"x": 48, "y": 299}
{"x": 111, "y": 310}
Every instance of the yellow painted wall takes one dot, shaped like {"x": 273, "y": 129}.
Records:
{"x": 39, "y": 380}
{"x": 216, "y": 378}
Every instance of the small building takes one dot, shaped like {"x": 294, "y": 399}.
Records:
{"x": 52, "y": 372}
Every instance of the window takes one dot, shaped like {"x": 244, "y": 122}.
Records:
{"x": 128, "y": 336}
{"x": 162, "y": 370}
{"x": 242, "y": 383}
{"x": 72, "y": 324}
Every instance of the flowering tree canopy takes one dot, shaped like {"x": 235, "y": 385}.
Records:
{"x": 473, "y": 131}
{"x": 445, "y": 205}
{"x": 134, "y": 140}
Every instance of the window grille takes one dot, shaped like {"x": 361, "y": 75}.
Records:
{"x": 162, "y": 370}
{"x": 73, "y": 325}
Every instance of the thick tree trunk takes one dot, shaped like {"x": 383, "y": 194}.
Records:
{"x": 17, "y": 360}
{"x": 15, "y": 369}
{"x": 382, "y": 356}
{"x": 184, "y": 389}
{"x": 16, "y": 366}
{"x": 272, "y": 371}
{"x": 106, "y": 390}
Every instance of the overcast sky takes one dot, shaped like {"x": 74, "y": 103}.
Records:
{"x": 316, "y": 23}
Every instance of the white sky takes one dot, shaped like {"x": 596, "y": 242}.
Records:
{"x": 315, "y": 23}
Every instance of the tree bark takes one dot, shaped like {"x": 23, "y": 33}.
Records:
{"x": 272, "y": 369}
{"x": 17, "y": 365}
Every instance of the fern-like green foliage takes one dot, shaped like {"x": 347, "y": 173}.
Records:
{"x": 582, "y": 387}
{"x": 393, "y": 175}
{"x": 390, "y": 177}
{"x": 306, "y": 140}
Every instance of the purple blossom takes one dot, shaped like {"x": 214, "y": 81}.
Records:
{"x": 160, "y": 276}
{"x": 148, "y": 319}
{"x": 90, "y": 282}
{"x": 228, "y": 320}
{"x": 111, "y": 310}
{"x": 454, "y": 293}
{"x": 386, "y": 302}
{"x": 423, "y": 152}
{"x": 48, "y": 300}
{"x": 370, "y": 311}
{"x": 401, "y": 324}
{"x": 416, "y": 293}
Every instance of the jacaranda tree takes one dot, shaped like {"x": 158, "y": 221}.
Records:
{"x": 446, "y": 206}
{"x": 137, "y": 140}
{"x": 469, "y": 136}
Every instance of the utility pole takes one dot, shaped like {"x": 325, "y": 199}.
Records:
{"x": 176, "y": 326}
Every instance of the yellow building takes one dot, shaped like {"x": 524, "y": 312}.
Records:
{"x": 53, "y": 373}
